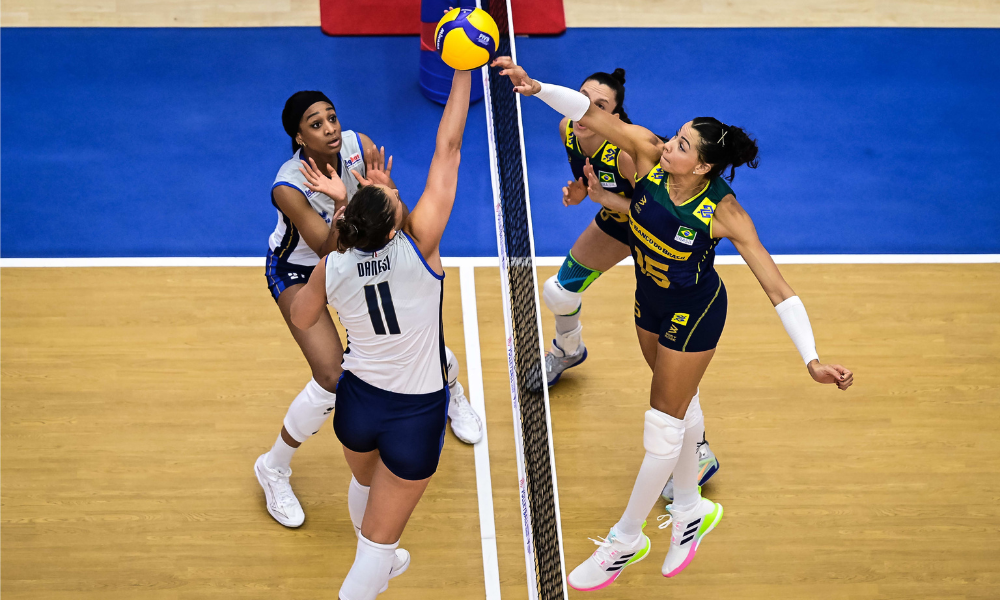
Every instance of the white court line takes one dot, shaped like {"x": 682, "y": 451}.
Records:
{"x": 486, "y": 261}
{"x": 484, "y": 482}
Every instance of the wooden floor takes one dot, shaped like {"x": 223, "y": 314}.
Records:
{"x": 134, "y": 402}
{"x": 579, "y": 13}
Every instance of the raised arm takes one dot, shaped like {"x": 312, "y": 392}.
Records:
{"x": 310, "y": 302}
{"x": 639, "y": 142}
{"x": 732, "y": 222}
{"x": 428, "y": 219}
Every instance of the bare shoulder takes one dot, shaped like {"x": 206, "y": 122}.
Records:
{"x": 366, "y": 142}
{"x": 562, "y": 128}
{"x": 730, "y": 220}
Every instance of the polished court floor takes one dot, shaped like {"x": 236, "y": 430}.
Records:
{"x": 135, "y": 401}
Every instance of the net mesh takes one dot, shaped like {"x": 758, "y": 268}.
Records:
{"x": 527, "y": 357}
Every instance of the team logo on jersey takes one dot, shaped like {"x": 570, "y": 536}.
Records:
{"x": 607, "y": 179}
{"x": 685, "y": 235}
{"x": 352, "y": 160}
{"x": 656, "y": 175}
{"x": 609, "y": 155}
{"x": 680, "y": 318}
{"x": 704, "y": 211}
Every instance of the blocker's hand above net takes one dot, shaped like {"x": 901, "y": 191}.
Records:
{"x": 523, "y": 84}
{"x": 316, "y": 181}
{"x": 376, "y": 168}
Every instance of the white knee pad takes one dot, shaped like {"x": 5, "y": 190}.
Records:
{"x": 693, "y": 416}
{"x": 663, "y": 435}
{"x": 452, "y": 363}
{"x": 560, "y": 300}
{"x": 310, "y": 409}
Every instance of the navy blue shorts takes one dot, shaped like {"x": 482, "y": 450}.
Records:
{"x": 406, "y": 429}
{"x": 613, "y": 223}
{"x": 686, "y": 321}
{"x": 281, "y": 274}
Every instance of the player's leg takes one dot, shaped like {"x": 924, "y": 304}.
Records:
{"x": 322, "y": 348}
{"x": 594, "y": 252}
{"x": 466, "y": 424}
{"x": 368, "y": 576}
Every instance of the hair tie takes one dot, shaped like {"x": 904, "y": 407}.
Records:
{"x": 722, "y": 140}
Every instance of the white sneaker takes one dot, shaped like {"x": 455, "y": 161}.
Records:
{"x": 466, "y": 424}
{"x": 557, "y": 361}
{"x": 689, "y": 527}
{"x": 399, "y": 566}
{"x": 281, "y": 501}
{"x": 607, "y": 562}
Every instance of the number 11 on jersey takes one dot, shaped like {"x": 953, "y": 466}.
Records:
{"x": 376, "y": 314}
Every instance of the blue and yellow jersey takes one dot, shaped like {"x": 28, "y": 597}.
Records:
{"x": 673, "y": 245}
{"x": 605, "y": 163}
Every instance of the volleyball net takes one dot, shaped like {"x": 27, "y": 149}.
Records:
{"x": 539, "y": 495}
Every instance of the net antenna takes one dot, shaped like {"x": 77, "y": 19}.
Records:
{"x": 536, "y": 467}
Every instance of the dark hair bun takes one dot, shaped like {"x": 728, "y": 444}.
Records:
{"x": 724, "y": 146}
{"x": 619, "y": 74}
{"x": 367, "y": 222}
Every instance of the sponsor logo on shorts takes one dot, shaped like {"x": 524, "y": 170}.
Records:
{"x": 685, "y": 235}
{"x": 673, "y": 328}
{"x": 607, "y": 179}
{"x": 680, "y": 318}
{"x": 670, "y": 337}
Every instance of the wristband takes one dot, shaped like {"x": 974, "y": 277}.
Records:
{"x": 796, "y": 321}
{"x": 569, "y": 103}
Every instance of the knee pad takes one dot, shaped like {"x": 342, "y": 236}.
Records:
{"x": 452, "y": 364}
{"x": 310, "y": 409}
{"x": 693, "y": 416}
{"x": 575, "y": 277}
{"x": 558, "y": 299}
{"x": 663, "y": 435}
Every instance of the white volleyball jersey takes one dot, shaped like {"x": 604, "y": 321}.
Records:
{"x": 389, "y": 302}
{"x": 285, "y": 242}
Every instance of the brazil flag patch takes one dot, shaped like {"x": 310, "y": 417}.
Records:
{"x": 607, "y": 179}
{"x": 685, "y": 235}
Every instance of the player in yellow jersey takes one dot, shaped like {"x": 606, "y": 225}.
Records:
{"x": 605, "y": 241}
{"x": 680, "y": 210}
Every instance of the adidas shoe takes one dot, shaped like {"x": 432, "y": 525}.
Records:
{"x": 607, "y": 562}
{"x": 399, "y": 566}
{"x": 465, "y": 422}
{"x": 281, "y": 501}
{"x": 557, "y": 361}
{"x": 689, "y": 527}
{"x": 708, "y": 464}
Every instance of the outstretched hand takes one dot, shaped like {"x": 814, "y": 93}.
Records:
{"x": 523, "y": 84}
{"x": 574, "y": 192}
{"x": 377, "y": 169}
{"x": 316, "y": 181}
{"x": 831, "y": 374}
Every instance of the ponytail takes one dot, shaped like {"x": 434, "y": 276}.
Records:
{"x": 615, "y": 81}
{"x": 724, "y": 146}
{"x": 368, "y": 221}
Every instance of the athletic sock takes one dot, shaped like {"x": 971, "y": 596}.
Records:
{"x": 370, "y": 570}
{"x": 686, "y": 472}
{"x": 357, "y": 502}
{"x": 280, "y": 455}
{"x": 653, "y": 475}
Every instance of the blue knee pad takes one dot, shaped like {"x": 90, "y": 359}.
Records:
{"x": 575, "y": 277}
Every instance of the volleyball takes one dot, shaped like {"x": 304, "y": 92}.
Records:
{"x": 466, "y": 38}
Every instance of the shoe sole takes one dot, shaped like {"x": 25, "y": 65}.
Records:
{"x": 697, "y": 542}
{"x": 267, "y": 503}
{"x": 579, "y": 362}
{"x": 638, "y": 556}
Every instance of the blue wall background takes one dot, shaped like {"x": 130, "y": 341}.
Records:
{"x": 164, "y": 142}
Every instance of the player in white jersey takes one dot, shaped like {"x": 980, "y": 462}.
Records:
{"x": 386, "y": 284}
{"x": 301, "y": 236}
